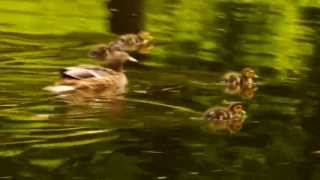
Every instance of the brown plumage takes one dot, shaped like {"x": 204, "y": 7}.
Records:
{"x": 224, "y": 113}
{"x": 245, "y": 78}
{"x": 141, "y": 43}
{"x": 226, "y": 118}
{"x": 242, "y": 83}
{"x": 96, "y": 78}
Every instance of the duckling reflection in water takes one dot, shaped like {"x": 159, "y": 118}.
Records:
{"x": 244, "y": 92}
{"x": 230, "y": 118}
{"x": 242, "y": 83}
{"x": 141, "y": 43}
{"x": 94, "y": 79}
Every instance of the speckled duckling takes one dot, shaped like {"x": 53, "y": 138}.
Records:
{"x": 226, "y": 118}
{"x": 141, "y": 43}
{"x": 96, "y": 78}
{"x": 234, "y": 111}
{"x": 243, "y": 79}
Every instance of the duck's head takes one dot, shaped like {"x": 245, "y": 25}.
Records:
{"x": 111, "y": 57}
{"x": 249, "y": 73}
{"x": 237, "y": 108}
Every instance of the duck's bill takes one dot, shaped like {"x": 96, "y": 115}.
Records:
{"x": 132, "y": 59}
{"x": 256, "y": 76}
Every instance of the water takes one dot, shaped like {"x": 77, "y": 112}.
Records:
{"x": 155, "y": 131}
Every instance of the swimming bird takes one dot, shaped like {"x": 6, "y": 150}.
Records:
{"x": 140, "y": 42}
{"x": 242, "y": 83}
{"x": 234, "y": 110}
{"x": 229, "y": 118}
{"x": 94, "y": 78}
{"x": 243, "y": 79}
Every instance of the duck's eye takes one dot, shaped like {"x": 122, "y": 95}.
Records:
{"x": 93, "y": 54}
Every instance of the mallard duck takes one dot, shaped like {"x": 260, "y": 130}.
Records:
{"x": 235, "y": 110}
{"x": 243, "y": 79}
{"x": 96, "y": 78}
{"x": 141, "y": 42}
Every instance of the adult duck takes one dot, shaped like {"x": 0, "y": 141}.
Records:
{"x": 96, "y": 78}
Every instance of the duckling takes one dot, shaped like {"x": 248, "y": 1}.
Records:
{"x": 243, "y": 79}
{"x": 141, "y": 42}
{"x": 222, "y": 118}
{"x": 96, "y": 78}
{"x": 235, "y": 110}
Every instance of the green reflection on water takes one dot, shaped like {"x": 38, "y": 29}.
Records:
{"x": 52, "y": 17}
{"x": 156, "y": 131}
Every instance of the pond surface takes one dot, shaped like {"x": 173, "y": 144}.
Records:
{"x": 156, "y": 130}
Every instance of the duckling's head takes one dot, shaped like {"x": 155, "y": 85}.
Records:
{"x": 237, "y": 108}
{"x": 99, "y": 52}
{"x": 249, "y": 73}
{"x": 145, "y": 36}
{"x": 111, "y": 57}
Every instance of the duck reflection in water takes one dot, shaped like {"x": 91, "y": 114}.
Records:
{"x": 242, "y": 83}
{"x": 229, "y": 118}
{"x": 84, "y": 83}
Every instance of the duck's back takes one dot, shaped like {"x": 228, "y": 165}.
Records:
{"x": 89, "y": 77}
{"x": 85, "y": 72}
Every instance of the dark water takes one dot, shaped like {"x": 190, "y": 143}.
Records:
{"x": 155, "y": 131}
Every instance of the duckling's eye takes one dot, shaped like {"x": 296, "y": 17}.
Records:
{"x": 239, "y": 107}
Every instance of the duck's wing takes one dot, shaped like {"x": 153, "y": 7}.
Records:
{"x": 85, "y": 71}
